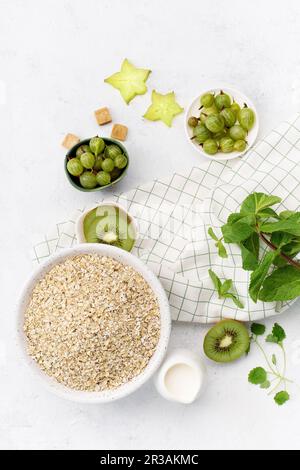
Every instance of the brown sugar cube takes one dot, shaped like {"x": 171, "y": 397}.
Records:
{"x": 119, "y": 132}
{"x": 103, "y": 116}
{"x": 70, "y": 140}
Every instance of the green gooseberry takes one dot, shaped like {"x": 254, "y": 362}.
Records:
{"x": 82, "y": 149}
{"x": 103, "y": 178}
{"x": 97, "y": 145}
{"x": 214, "y": 123}
{"x": 121, "y": 161}
{"x": 192, "y": 121}
{"x": 211, "y": 110}
{"x": 98, "y": 162}
{"x": 88, "y": 180}
{"x": 222, "y": 101}
{"x": 210, "y": 146}
{"x": 240, "y": 145}
{"x": 226, "y": 144}
{"x": 201, "y": 133}
{"x": 235, "y": 107}
{"x": 74, "y": 167}
{"x": 229, "y": 116}
{"x": 203, "y": 117}
{"x": 207, "y": 100}
{"x": 108, "y": 165}
{"x": 246, "y": 118}
{"x": 87, "y": 160}
{"x": 219, "y": 135}
{"x": 236, "y": 132}
{"x": 112, "y": 151}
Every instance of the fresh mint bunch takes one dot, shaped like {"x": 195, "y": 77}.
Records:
{"x": 223, "y": 289}
{"x": 271, "y": 375}
{"x": 276, "y": 275}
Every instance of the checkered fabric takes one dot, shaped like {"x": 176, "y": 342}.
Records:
{"x": 174, "y": 214}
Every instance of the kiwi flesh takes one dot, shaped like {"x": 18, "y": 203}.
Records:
{"x": 109, "y": 225}
{"x": 226, "y": 341}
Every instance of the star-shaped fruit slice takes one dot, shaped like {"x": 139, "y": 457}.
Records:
{"x": 130, "y": 81}
{"x": 163, "y": 108}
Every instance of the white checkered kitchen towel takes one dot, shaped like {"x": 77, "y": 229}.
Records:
{"x": 174, "y": 214}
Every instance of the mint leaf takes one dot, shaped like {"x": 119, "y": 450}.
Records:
{"x": 281, "y": 397}
{"x": 274, "y": 360}
{"x": 257, "y": 202}
{"x": 282, "y": 284}
{"x": 250, "y": 260}
{"x": 216, "y": 280}
{"x": 212, "y": 234}
{"x": 257, "y": 376}
{"x": 258, "y": 329}
{"x": 286, "y": 214}
{"x": 258, "y": 276}
{"x": 226, "y": 286}
{"x": 289, "y": 225}
{"x": 236, "y": 232}
{"x": 221, "y": 249}
{"x": 235, "y": 299}
{"x": 278, "y": 332}
{"x": 266, "y": 213}
{"x": 265, "y": 384}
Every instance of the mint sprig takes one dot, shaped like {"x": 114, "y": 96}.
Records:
{"x": 271, "y": 374}
{"x": 275, "y": 276}
{"x": 223, "y": 288}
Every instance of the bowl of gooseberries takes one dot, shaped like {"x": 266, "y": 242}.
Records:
{"x": 222, "y": 123}
{"x": 96, "y": 163}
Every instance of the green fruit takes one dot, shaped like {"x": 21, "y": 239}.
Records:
{"x": 108, "y": 165}
{"x": 229, "y": 117}
{"x": 222, "y": 101}
{"x": 235, "y": 107}
{"x": 98, "y": 162}
{"x": 246, "y": 118}
{"x": 192, "y": 121}
{"x": 211, "y": 110}
{"x": 210, "y": 147}
{"x": 87, "y": 160}
{"x": 203, "y": 117}
{"x": 226, "y": 341}
{"x": 103, "y": 178}
{"x": 88, "y": 180}
{"x": 219, "y": 135}
{"x": 74, "y": 167}
{"x": 226, "y": 145}
{"x": 97, "y": 145}
{"x": 201, "y": 133}
{"x": 240, "y": 145}
{"x": 207, "y": 100}
{"x": 108, "y": 224}
{"x": 82, "y": 149}
{"x": 112, "y": 151}
{"x": 237, "y": 133}
{"x": 121, "y": 161}
{"x": 214, "y": 123}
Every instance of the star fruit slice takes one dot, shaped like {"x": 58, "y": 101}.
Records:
{"x": 163, "y": 108}
{"x": 130, "y": 81}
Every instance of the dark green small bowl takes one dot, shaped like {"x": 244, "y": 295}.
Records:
{"x": 75, "y": 180}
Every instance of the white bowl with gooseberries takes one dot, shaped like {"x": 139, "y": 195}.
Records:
{"x": 221, "y": 123}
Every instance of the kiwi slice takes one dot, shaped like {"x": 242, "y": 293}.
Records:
{"x": 109, "y": 225}
{"x": 226, "y": 341}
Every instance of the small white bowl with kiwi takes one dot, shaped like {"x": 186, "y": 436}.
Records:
{"x": 221, "y": 123}
{"x": 107, "y": 223}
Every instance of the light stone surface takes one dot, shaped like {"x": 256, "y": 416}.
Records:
{"x": 54, "y": 56}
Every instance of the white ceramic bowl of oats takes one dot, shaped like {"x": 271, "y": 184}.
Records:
{"x": 77, "y": 328}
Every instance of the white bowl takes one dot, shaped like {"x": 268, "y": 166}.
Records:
{"x": 240, "y": 98}
{"x": 79, "y": 222}
{"x": 129, "y": 387}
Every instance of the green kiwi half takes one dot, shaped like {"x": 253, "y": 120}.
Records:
{"x": 226, "y": 341}
{"x": 109, "y": 225}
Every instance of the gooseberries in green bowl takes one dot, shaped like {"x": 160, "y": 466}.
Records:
{"x": 222, "y": 123}
{"x": 96, "y": 163}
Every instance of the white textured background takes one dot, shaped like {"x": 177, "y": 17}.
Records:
{"x": 54, "y": 55}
